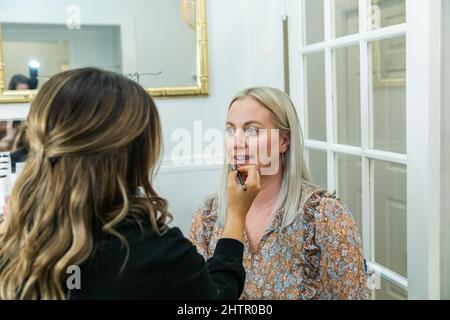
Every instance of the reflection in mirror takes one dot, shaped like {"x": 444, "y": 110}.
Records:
{"x": 13, "y": 154}
{"x": 166, "y": 43}
{"x": 13, "y": 140}
{"x": 162, "y": 44}
{"x": 35, "y": 52}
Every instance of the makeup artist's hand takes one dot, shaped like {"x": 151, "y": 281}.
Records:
{"x": 240, "y": 201}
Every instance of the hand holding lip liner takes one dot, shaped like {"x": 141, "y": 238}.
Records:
{"x": 241, "y": 180}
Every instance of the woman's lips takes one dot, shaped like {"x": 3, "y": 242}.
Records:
{"x": 242, "y": 159}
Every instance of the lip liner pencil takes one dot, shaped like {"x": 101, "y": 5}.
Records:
{"x": 241, "y": 180}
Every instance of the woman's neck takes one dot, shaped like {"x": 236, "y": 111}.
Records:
{"x": 268, "y": 194}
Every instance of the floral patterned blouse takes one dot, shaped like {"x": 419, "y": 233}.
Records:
{"x": 318, "y": 256}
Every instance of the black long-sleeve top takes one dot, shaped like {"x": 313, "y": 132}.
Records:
{"x": 160, "y": 267}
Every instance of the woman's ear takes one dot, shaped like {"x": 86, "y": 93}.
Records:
{"x": 284, "y": 142}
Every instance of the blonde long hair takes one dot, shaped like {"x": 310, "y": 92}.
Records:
{"x": 94, "y": 137}
{"x": 284, "y": 117}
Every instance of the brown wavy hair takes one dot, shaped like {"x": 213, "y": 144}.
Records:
{"x": 94, "y": 138}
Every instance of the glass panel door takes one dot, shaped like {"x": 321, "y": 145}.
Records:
{"x": 354, "y": 113}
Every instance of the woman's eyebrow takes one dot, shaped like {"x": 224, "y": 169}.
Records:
{"x": 253, "y": 122}
{"x": 245, "y": 124}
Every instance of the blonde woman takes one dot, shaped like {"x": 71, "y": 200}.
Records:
{"x": 85, "y": 199}
{"x": 300, "y": 242}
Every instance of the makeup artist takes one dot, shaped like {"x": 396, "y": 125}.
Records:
{"x": 85, "y": 199}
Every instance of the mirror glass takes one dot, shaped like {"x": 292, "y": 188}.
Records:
{"x": 46, "y": 50}
{"x": 154, "y": 42}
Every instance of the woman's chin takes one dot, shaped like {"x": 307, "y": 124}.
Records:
{"x": 240, "y": 165}
{"x": 245, "y": 164}
{"x": 258, "y": 166}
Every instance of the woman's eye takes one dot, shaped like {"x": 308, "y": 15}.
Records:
{"x": 229, "y": 131}
{"x": 252, "y": 131}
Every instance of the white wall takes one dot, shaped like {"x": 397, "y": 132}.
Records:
{"x": 445, "y": 153}
{"x": 245, "y": 49}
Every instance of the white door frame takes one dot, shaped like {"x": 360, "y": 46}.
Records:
{"x": 423, "y": 121}
{"x": 423, "y": 130}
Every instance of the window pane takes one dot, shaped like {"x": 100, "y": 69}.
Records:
{"x": 347, "y": 96}
{"x": 318, "y": 167}
{"x": 390, "y": 291}
{"x": 346, "y": 17}
{"x": 388, "y": 196}
{"x": 387, "y": 13}
{"x": 314, "y": 23}
{"x": 388, "y": 95}
{"x": 315, "y": 100}
{"x": 348, "y": 183}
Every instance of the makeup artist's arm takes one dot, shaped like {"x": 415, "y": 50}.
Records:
{"x": 223, "y": 275}
{"x": 240, "y": 201}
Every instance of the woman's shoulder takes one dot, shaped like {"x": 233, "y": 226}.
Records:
{"x": 326, "y": 206}
{"x": 331, "y": 218}
{"x": 322, "y": 203}
{"x": 204, "y": 223}
{"x": 207, "y": 212}
{"x": 333, "y": 246}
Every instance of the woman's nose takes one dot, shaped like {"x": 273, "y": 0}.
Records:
{"x": 239, "y": 139}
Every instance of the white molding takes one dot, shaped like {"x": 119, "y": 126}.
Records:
{"x": 339, "y": 148}
{"x": 385, "y": 156}
{"x": 316, "y": 145}
{"x": 370, "y": 154}
{"x": 367, "y": 221}
{"x": 373, "y": 35}
{"x": 344, "y": 41}
{"x": 329, "y": 104}
{"x": 385, "y": 33}
{"x": 313, "y": 48}
{"x": 423, "y": 145}
{"x": 296, "y": 60}
{"x": 14, "y": 111}
{"x": 389, "y": 275}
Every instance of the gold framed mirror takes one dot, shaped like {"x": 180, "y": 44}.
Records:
{"x": 168, "y": 58}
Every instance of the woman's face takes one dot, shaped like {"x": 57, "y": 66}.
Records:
{"x": 22, "y": 86}
{"x": 251, "y": 138}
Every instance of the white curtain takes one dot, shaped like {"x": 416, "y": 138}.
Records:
{"x": 445, "y": 155}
